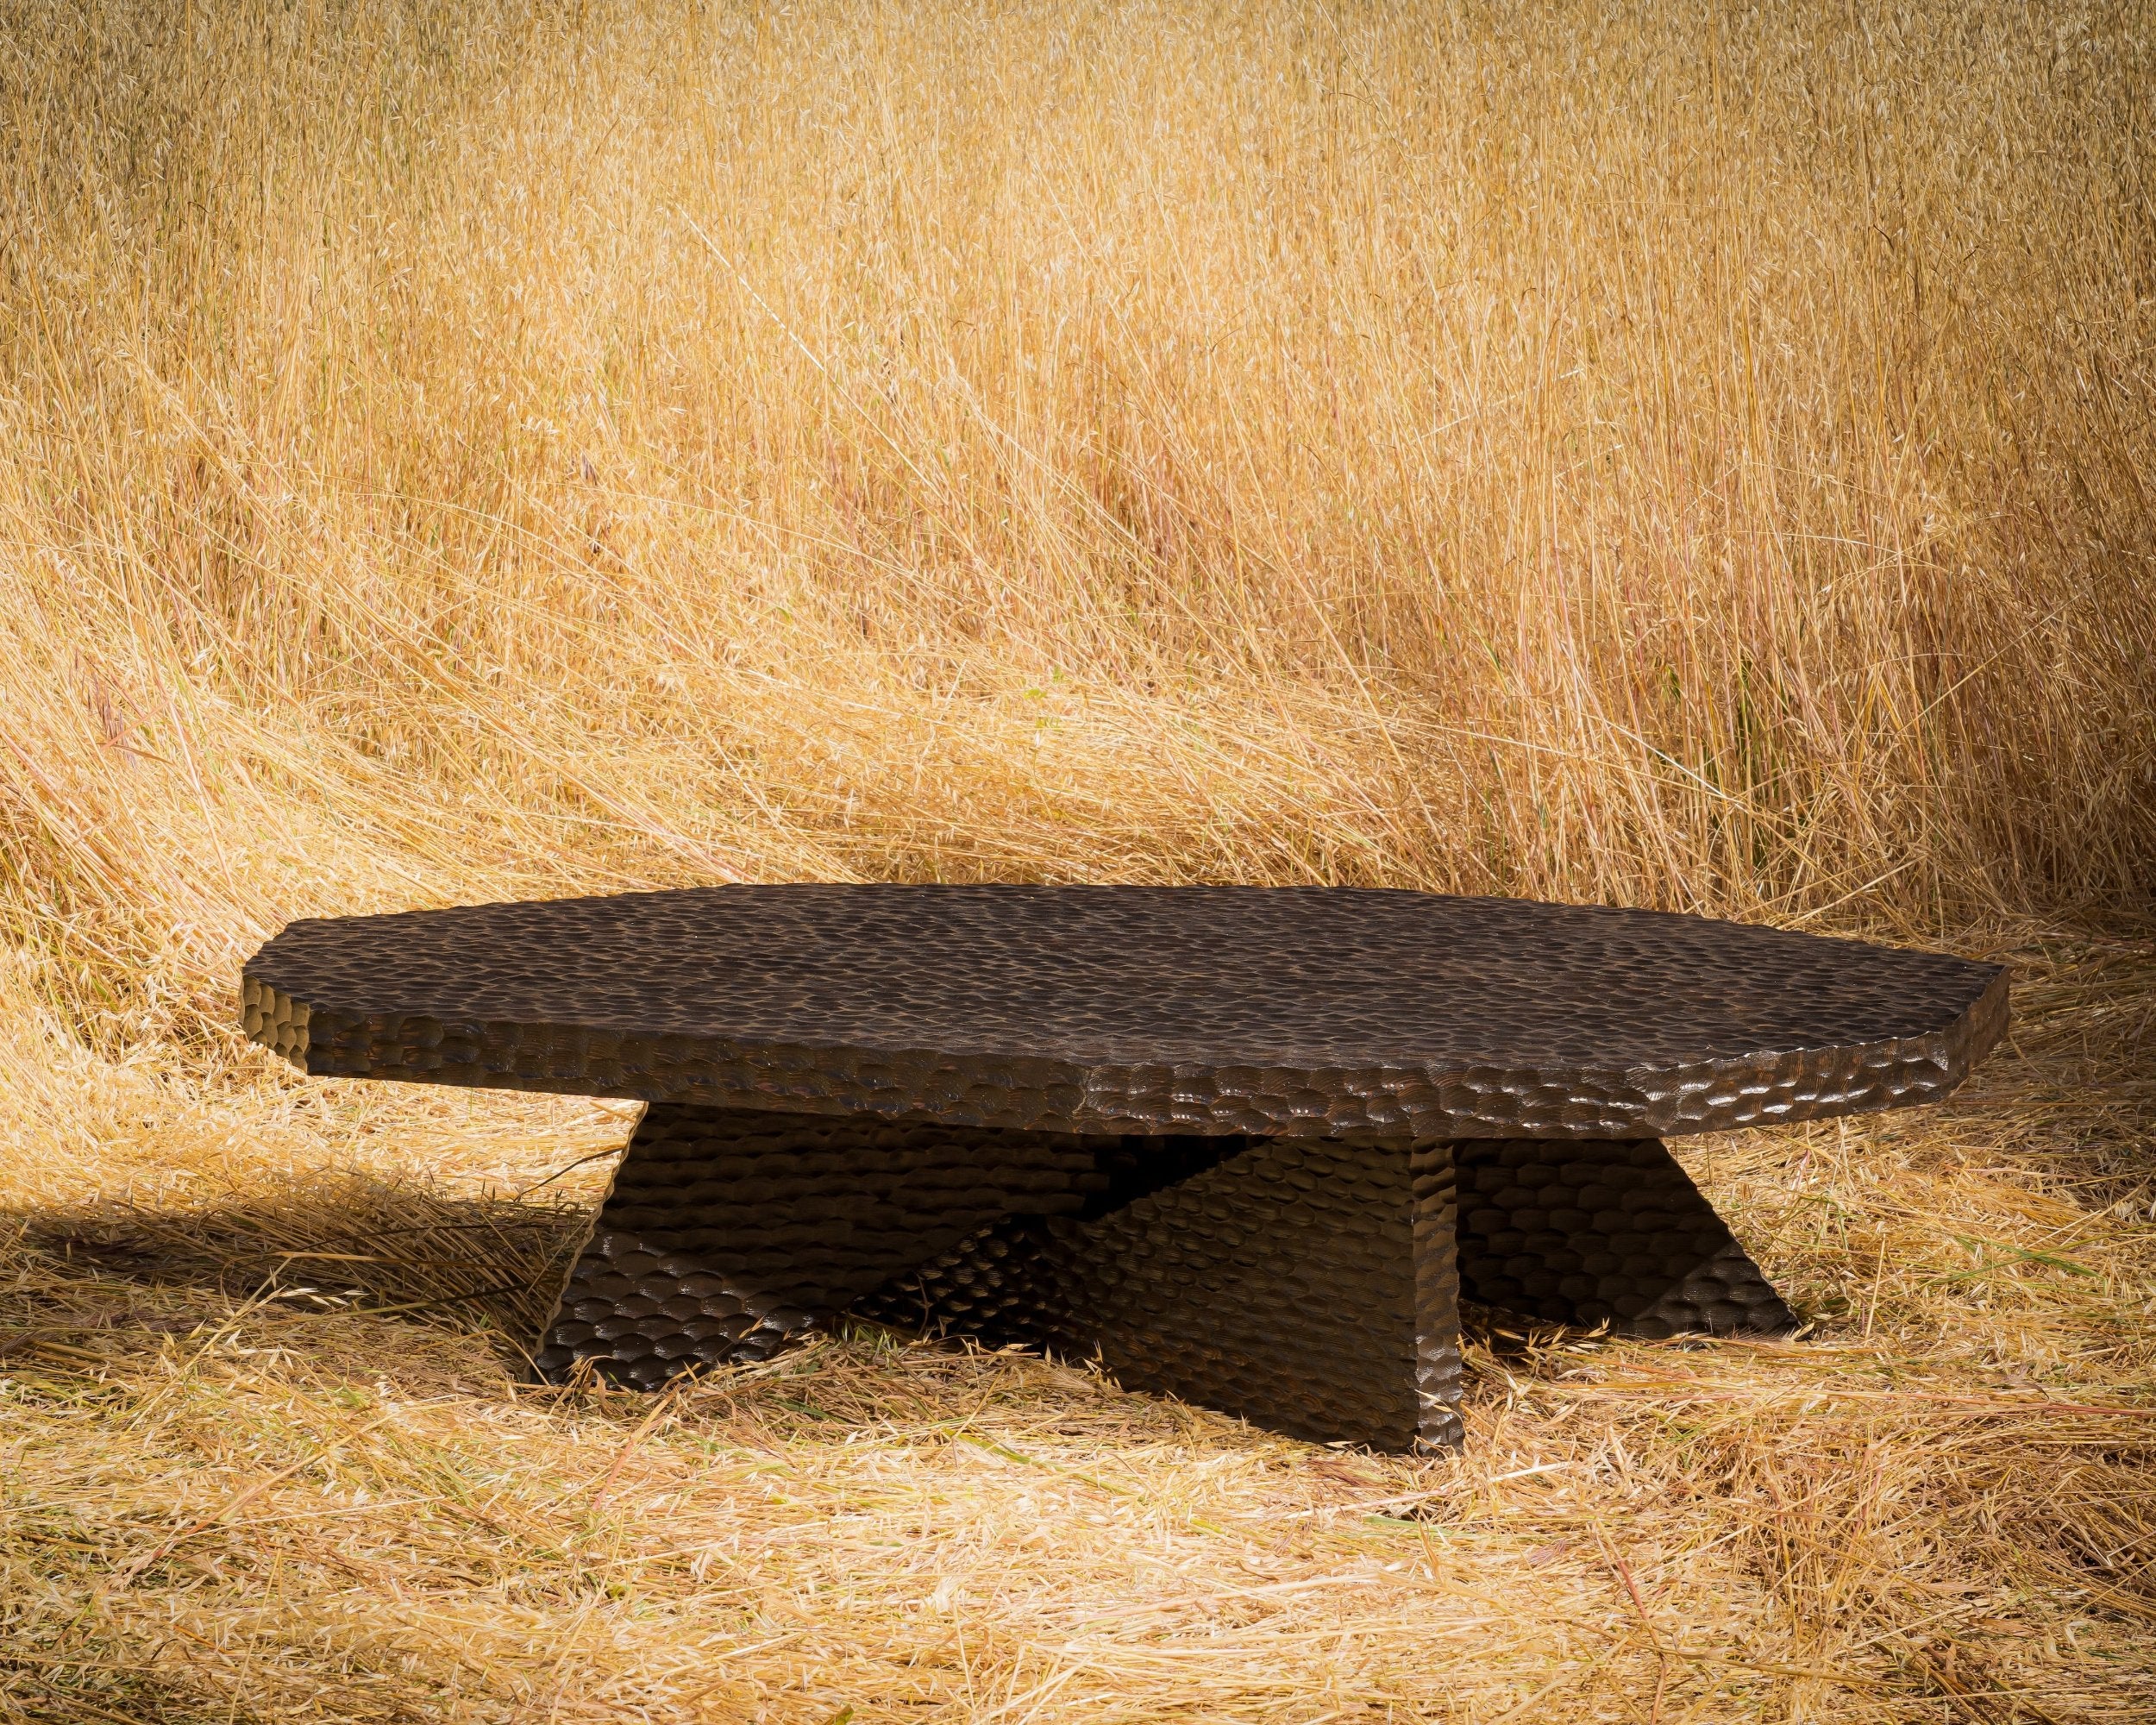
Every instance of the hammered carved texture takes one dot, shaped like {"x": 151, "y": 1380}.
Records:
{"x": 1278, "y": 1285}
{"x": 1434, "y": 1180}
{"x": 1600, "y": 1232}
{"x": 1277, "y": 1279}
{"x": 717, "y": 1215}
{"x": 1314, "y": 1011}
{"x": 999, "y": 1286}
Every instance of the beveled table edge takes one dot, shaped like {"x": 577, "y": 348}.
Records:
{"x": 1390, "y": 1102}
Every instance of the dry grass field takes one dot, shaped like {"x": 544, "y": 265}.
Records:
{"x": 451, "y": 449}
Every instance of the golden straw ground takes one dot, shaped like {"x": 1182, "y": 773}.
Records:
{"x": 1680, "y": 457}
{"x": 232, "y": 1492}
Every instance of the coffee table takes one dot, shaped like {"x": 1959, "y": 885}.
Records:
{"x": 1249, "y": 1146}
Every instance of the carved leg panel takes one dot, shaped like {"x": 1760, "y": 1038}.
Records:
{"x": 1603, "y": 1230}
{"x": 1307, "y": 1284}
{"x": 1311, "y": 1285}
{"x": 728, "y": 1230}
{"x": 1435, "y": 1183}
{"x": 1280, "y": 1285}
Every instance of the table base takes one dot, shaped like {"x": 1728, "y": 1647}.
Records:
{"x": 1310, "y": 1285}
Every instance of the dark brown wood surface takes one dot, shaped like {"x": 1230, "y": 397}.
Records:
{"x": 1306, "y": 1010}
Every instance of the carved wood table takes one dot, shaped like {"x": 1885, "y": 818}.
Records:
{"x": 1249, "y": 1145}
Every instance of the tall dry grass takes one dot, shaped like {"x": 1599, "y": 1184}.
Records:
{"x": 1680, "y": 455}
{"x": 1697, "y": 460}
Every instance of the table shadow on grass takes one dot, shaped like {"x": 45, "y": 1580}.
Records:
{"x": 346, "y": 1243}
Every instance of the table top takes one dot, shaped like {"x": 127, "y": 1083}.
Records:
{"x": 1311, "y": 1011}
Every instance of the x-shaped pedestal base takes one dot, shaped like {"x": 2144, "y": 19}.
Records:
{"x": 1311, "y": 1285}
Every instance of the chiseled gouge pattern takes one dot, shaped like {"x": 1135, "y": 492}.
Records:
{"x": 1247, "y": 1146}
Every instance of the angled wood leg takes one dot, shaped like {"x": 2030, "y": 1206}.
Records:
{"x": 728, "y": 1231}
{"x": 1604, "y": 1231}
{"x": 1307, "y": 1284}
{"x": 1435, "y": 1220}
